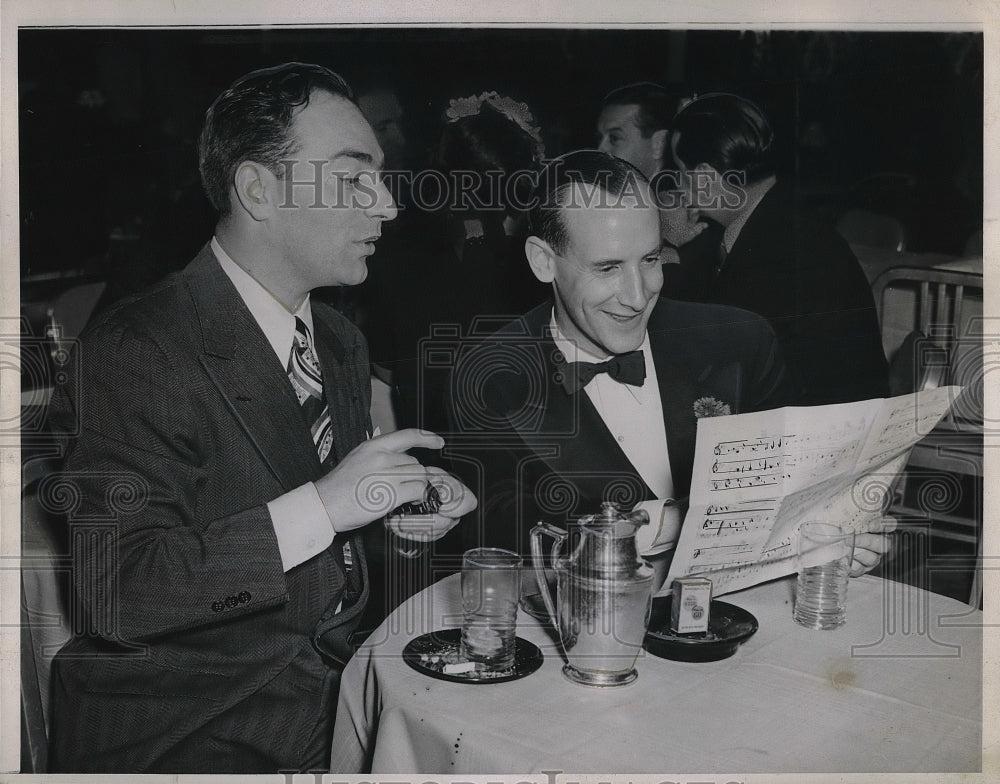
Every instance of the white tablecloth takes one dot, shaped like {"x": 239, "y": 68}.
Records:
{"x": 898, "y": 689}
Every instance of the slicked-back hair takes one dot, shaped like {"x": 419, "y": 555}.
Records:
{"x": 616, "y": 177}
{"x": 251, "y": 121}
{"x": 727, "y": 132}
{"x": 657, "y": 106}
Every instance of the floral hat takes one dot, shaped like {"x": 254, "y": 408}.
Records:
{"x": 515, "y": 111}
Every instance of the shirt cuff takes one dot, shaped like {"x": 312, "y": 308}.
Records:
{"x": 656, "y": 537}
{"x": 301, "y": 525}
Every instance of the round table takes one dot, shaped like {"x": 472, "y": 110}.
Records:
{"x": 897, "y": 689}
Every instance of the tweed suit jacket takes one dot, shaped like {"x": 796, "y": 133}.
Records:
{"x": 534, "y": 452}
{"x": 198, "y": 652}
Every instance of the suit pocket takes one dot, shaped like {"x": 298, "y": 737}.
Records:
{"x": 141, "y": 676}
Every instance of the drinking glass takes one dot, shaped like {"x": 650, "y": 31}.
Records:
{"x": 825, "y": 551}
{"x": 491, "y": 588}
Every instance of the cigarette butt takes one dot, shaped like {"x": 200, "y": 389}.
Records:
{"x": 454, "y": 669}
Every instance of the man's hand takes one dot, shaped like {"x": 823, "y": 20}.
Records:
{"x": 457, "y": 500}
{"x": 375, "y": 477}
{"x": 679, "y": 225}
{"x": 870, "y": 547}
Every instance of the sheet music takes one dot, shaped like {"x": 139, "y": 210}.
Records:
{"x": 758, "y": 476}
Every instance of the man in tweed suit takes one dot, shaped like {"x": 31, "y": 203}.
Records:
{"x": 222, "y": 452}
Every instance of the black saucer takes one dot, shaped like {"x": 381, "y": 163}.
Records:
{"x": 429, "y": 653}
{"x": 728, "y": 626}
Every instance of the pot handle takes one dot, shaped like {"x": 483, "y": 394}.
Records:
{"x": 538, "y": 560}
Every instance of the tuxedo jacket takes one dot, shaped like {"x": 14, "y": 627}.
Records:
{"x": 804, "y": 279}
{"x": 195, "y": 650}
{"x": 534, "y": 452}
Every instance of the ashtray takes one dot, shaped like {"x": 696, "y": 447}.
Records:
{"x": 728, "y": 627}
{"x": 438, "y": 654}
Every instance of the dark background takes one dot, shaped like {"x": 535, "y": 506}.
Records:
{"x": 109, "y": 118}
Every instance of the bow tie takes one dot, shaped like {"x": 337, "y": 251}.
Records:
{"x": 627, "y": 368}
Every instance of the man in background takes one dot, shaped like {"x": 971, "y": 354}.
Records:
{"x": 380, "y": 105}
{"x": 775, "y": 258}
{"x": 635, "y": 124}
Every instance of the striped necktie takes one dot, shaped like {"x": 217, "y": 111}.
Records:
{"x": 307, "y": 381}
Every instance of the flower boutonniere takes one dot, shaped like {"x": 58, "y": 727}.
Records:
{"x": 710, "y": 407}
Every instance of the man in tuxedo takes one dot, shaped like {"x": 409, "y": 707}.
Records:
{"x": 596, "y": 395}
{"x": 776, "y": 258}
{"x": 225, "y": 474}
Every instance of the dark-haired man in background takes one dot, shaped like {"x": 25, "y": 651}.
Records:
{"x": 775, "y": 258}
{"x": 634, "y": 125}
{"x": 221, "y": 593}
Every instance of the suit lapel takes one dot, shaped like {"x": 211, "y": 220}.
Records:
{"x": 682, "y": 385}
{"x": 677, "y": 395}
{"x": 568, "y": 432}
{"x": 242, "y": 365}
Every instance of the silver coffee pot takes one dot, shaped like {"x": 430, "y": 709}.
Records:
{"x": 603, "y": 594}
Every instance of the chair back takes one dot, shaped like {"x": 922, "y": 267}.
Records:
{"x": 45, "y": 623}
{"x": 932, "y": 334}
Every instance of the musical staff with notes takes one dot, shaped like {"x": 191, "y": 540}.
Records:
{"x": 758, "y": 476}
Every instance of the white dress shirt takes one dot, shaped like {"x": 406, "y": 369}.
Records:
{"x": 634, "y": 416}
{"x": 301, "y": 523}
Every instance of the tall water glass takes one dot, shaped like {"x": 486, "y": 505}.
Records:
{"x": 491, "y": 588}
{"x": 825, "y": 552}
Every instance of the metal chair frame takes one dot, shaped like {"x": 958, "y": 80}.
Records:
{"x": 956, "y": 445}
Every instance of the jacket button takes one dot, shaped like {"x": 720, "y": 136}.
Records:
{"x": 244, "y": 597}
{"x": 218, "y": 607}
{"x": 232, "y": 601}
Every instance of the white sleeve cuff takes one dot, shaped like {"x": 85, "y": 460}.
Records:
{"x": 301, "y": 525}
{"x": 656, "y": 537}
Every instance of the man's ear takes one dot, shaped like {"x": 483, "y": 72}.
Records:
{"x": 256, "y": 189}
{"x": 541, "y": 258}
